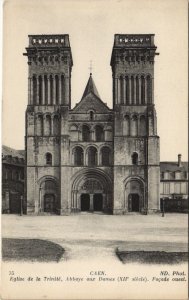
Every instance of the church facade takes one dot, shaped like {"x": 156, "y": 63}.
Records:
{"x": 90, "y": 157}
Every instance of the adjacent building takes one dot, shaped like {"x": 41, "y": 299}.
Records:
{"x": 91, "y": 157}
{"x": 13, "y": 162}
{"x": 174, "y": 185}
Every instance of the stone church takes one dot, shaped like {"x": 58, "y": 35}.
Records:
{"x": 90, "y": 157}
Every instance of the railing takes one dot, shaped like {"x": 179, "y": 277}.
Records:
{"x": 49, "y": 40}
{"x": 134, "y": 40}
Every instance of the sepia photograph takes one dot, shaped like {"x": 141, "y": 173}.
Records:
{"x": 94, "y": 149}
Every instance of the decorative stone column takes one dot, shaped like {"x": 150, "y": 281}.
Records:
{"x": 52, "y": 125}
{"x": 152, "y": 90}
{"x": 29, "y": 91}
{"x": 124, "y": 91}
{"x": 54, "y": 90}
{"x": 134, "y": 100}
{"x": 91, "y": 208}
{"x": 115, "y": 90}
{"x": 130, "y": 100}
{"x": 104, "y": 203}
{"x": 37, "y": 90}
{"x": 145, "y": 91}
{"x": 48, "y": 91}
{"x": 139, "y": 90}
{"x": 118, "y": 91}
{"x": 67, "y": 88}
{"x": 40, "y": 200}
{"x": 78, "y": 201}
{"x": 43, "y": 90}
{"x": 93, "y": 138}
{"x": 60, "y": 89}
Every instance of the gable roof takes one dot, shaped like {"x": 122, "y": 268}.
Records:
{"x": 172, "y": 166}
{"x": 91, "y": 100}
{"x": 90, "y": 88}
{"x": 13, "y": 152}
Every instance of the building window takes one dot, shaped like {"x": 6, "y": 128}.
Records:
{"x": 177, "y": 188}
{"x": 91, "y": 115}
{"x": 49, "y": 159}
{"x": 92, "y": 156}
{"x": 78, "y": 156}
{"x": 166, "y": 175}
{"x": 99, "y": 134}
{"x": 105, "y": 156}
{"x": 177, "y": 175}
{"x": 86, "y": 133}
{"x": 135, "y": 158}
{"x": 166, "y": 188}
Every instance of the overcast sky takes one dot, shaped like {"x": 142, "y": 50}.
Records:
{"x": 91, "y": 26}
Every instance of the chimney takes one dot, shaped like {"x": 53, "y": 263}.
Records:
{"x": 179, "y": 160}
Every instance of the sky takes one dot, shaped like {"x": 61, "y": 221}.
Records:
{"x": 91, "y": 26}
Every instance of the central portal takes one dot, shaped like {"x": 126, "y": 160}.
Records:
{"x": 91, "y": 192}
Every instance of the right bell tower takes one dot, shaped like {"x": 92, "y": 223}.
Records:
{"x": 136, "y": 143}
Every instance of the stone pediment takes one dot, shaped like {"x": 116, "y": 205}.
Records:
{"x": 91, "y": 102}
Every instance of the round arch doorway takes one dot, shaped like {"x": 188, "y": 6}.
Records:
{"x": 134, "y": 195}
{"x": 91, "y": 192}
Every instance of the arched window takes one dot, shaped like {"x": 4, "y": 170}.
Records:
{"x": 56, "y": 125}
{"x": 134, "y": 123}
{"x": 142, "y": 90}
{"x": 99, "y": 133}
{"x": 92, "y": 156}
{"x": 91, "y": 115}
{"x": 142, "y": 125}
{"x": 105, "y": 156}
{"x": 39, "y": 125}
{"x": 126, "y": 125}
{"x": 85, "y": 133}
{"x": 135, "y": 158}
{"x": 47, "y": 125}
{"x": 48, "y": 157}
{"x": 78, "y": 156}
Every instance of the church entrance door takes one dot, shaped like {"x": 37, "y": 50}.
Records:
{"x": 85, "y": 202}
{"x": 15, "y": 203}
{"x": 135, "y": 202}
{"x": 49, "y": 203}
{"x": 98, "y": 202}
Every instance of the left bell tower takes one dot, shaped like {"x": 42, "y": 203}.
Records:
{"x": 49, "y": 100}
